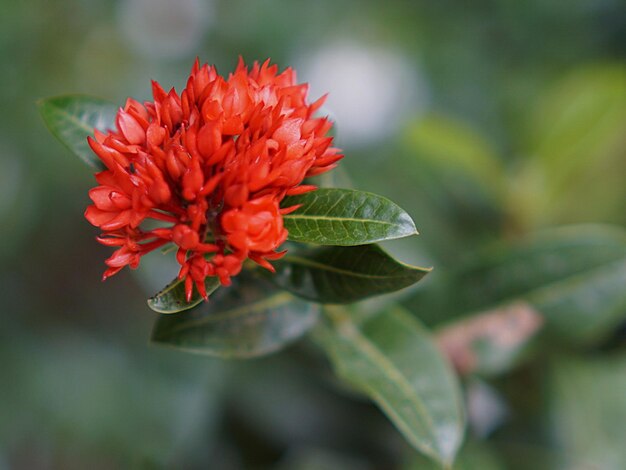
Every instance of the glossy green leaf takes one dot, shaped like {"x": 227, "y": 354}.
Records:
{"x": 573, "y": 277}
{"x": 336, "y": 274}
{"x": 172, "y": 298}
{"x": 71, "y": 118}
{"x": 248, "y": 319}
{"x": 394, "y": 360}
{"x": 345, "y": 217}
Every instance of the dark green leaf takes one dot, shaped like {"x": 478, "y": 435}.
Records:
{"x": 345, "y": 217}
{"x": 172, "y": 298}
{"x": 393, "y": 359}
{"x": 336, "y": 274}
{"x": 248, "y": 319}
{"x": 574, "y": 277}
{"x": 71, "y": 118}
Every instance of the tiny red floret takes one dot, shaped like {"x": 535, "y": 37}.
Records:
{"x": 207, "y": 170}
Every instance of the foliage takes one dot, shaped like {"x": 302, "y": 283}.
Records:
{"x": 505, "y": 143}
{"x": 254, "y": 317}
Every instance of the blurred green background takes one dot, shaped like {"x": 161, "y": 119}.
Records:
{"x": 486, "y": 121}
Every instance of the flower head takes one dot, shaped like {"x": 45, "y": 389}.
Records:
{"x": 207, "y": 170}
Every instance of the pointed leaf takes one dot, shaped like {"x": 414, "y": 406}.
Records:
{"x": 173, "y": 299}
{"x": 71, "y": 118}
{"x": 345, "y": 217}
{"x": 248, "y": 319}
{"x": 393, "y": 359}
{"x": 337, "y": 274}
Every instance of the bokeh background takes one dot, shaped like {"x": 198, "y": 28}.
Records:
{"x": 486, "y": 120}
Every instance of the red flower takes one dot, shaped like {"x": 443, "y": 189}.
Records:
{"x": 209, "y": 168}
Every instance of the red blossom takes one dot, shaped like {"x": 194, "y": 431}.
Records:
{"x": 211, "y": 167}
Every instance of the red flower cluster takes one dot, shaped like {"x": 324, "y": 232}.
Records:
{"x": 207, "y": 171}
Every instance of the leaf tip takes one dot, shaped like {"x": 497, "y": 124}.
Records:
{"x": 155, "y": 305}
{"x": 151, "y": 302}
{"x": 408, "y": 225}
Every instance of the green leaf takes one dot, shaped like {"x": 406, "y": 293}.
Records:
{"x": 248, "y": 319}
{"x": 71, "y": 118}
{"x": 394, "y": 360}
{"x": 345, "y": 217}
{"x": 337, "y": 274}
{"x": 574, "y": 277}
{"x": 172, "y": 298}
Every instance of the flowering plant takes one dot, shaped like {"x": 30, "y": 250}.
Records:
{"x": 226, "y": 174}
